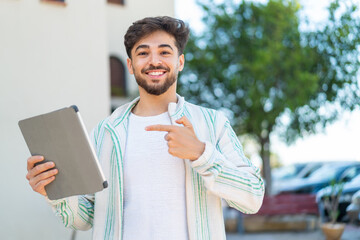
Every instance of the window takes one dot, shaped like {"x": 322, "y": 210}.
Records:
{"x": 58, "y": 2}
{"x": 119, "y": 2}
{"x": 117, "y": 76}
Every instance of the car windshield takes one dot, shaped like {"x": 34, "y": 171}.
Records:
{"x": 287, "y": 171}
{"x": 324, "y": 173}
{"x": 308, "y": 170}
{"x": 356, "y": 179}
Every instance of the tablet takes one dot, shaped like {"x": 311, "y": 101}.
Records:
{"x": 60, "y": 136}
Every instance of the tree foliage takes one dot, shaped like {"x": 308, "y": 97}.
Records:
{"x": 255, "y": 63}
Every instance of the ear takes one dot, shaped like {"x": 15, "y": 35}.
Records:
{"x": 181, "y": 62}
{"x": 129, "y": 66}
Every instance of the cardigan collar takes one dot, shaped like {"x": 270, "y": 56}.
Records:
{"x": 121, "y": 113}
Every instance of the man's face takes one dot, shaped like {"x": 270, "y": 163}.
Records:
{"x": 155, "y": 62}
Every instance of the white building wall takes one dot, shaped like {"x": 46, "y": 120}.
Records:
{"x": 51, "y": 56}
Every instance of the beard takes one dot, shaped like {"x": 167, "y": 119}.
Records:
{"x": 157, "y": 89}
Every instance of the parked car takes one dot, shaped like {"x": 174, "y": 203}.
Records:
{"x": 283, "y": 175}
{"x": 353, "y": 210}
{"x": 288, "y": 171}
{"x": 309, "y": 169}
{"x": 344, "y": 171}
{"x": 348, "y": 190}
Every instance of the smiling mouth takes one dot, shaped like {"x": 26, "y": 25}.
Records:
{"x": 155, "y": 74}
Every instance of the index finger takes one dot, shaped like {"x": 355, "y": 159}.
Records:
{"x": 159, "y": 127}
{"x": 33, "y": 160}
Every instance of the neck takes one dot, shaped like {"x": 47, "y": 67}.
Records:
{"x": 151, "y": 105}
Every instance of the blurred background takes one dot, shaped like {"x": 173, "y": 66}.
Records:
{"x": 284, "y": 72}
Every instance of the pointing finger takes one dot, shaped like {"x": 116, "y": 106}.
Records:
{"x": 159, "y": 127}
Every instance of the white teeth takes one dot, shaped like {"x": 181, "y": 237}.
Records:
{"x": 155, "y": 73}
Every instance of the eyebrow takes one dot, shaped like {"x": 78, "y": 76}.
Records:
{"x": 165, "y": 46}
{"x": 147, "y": 46}
{"x": 142, "y": 46}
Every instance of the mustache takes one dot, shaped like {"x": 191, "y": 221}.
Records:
{"x": 151, "y": 67}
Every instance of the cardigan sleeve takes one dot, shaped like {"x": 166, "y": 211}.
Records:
{"x": 76, "y": 212}
{"x": 227, "y": 172}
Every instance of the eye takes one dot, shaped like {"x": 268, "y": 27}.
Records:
{"x": 165, "y": 52}
{"x": 142, "y": 53}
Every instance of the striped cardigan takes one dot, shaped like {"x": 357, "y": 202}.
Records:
{"x": 221, "y": 172}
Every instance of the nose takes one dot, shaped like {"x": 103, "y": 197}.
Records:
{"x": 155, "y": 60}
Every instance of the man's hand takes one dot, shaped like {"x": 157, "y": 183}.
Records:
{"x": 39, "y": 176}
{"x": 182, "y": 141}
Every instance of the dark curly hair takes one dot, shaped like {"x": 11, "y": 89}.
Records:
{"x": 141, "y": 28}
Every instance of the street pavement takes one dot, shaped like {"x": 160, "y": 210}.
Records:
{"x": 351, "y": 233}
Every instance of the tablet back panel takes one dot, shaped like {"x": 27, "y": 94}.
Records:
{"x": 61, "y": 137}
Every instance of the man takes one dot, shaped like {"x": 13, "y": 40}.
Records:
{"x": 168, "y": 162}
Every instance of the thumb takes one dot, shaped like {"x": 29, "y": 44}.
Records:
{"x": 184, "y": 121}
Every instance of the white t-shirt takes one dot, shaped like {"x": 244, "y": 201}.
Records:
{"x": 154, "y": 184}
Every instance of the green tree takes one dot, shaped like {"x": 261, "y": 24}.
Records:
{"x": 253, "y": 62}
